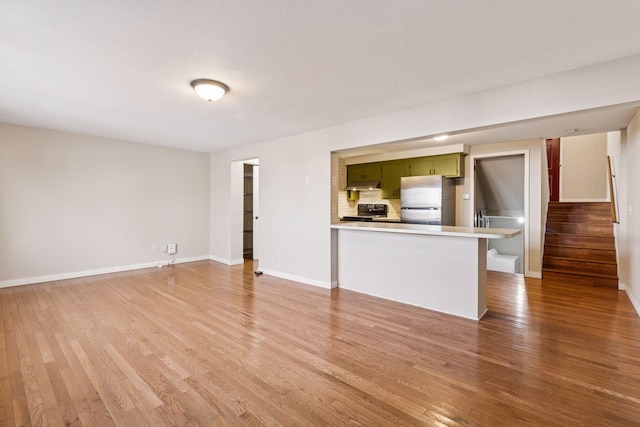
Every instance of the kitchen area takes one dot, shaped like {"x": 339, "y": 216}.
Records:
{"x": 397, "y": 236}
{"x": 379, "y": 184}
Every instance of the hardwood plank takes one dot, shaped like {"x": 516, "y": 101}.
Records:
{"x": 90, "y": 406}
{"x": 208, "y": 344}
{"x": 18, "y": 398}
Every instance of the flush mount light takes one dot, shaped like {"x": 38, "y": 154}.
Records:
{"x": 209, "y": 90}
{"x": 441, "y": 138}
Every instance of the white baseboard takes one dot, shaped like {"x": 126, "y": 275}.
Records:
{"x": 94, "y": 272}
{"x": 305, "y": 280}
{"x": 227, "y": 260}
{"x": 635, "y": 302}
{"x": 533, "y": 274}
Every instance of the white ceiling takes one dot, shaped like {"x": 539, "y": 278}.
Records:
{"x": 121, "y": 69}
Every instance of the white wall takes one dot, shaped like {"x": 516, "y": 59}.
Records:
{"x": 628, "y": 177}
{"x": 296, "y": 171}
{"x": 294, "y": 207}
{"x": 583, "y": 174}
{"x": 74, "y": 204}
{"x": 615, "y": 149}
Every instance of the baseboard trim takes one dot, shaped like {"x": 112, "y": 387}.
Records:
{"x": 227, "y": 260}
{"x": 634, "y": 302}
{"x": 305, "y": 280}
{"x": 534, "y": 274}
{"x": 94, "y": 272}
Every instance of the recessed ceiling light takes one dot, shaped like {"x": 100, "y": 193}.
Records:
{"x": 571, "y": 131}
{"x": 209, "y": 90}
{"x": 441, "y": 138}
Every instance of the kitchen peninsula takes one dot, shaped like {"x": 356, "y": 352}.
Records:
{"x": 441, "y": 268}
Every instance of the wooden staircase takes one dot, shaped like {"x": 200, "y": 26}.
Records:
{"x": 579, "y": 245}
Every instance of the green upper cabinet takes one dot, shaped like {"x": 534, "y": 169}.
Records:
{"x": 389, "y": 172}
{"x": 449, "y": 165}
{"x": 421, "y": 166}
{"x": 392, "y": 171}
{"x": 363, "y": 172}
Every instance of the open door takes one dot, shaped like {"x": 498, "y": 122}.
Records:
{"x": 256, "y": 211}
{"x": 553, "y": 165}
{"x": 247, "y": 211}
{"x": 250, "y": 213}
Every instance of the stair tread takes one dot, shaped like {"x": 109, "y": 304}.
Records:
{"x": 580, "y": 235}
{"x": 554, "y": 245}
{"x": 579, "y": 273}
{"x": 603, "y": 223}
{"x": 595, "y": 261}
{"x": 589, "y": 246}
{"x": 599, "y": 223}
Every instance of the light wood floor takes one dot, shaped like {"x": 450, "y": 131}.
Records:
{"x": 207, "y": 344}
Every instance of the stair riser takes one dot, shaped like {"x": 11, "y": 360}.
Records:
{"x": 582, "y": 229}
{"x": 580, "y": 218}
{"x": 580, "y": 266}
{"x": 579, "y": 245}
{"x": 550, "y": 277}
{"x": 585, "y": 254}
{"x": 576, "y": 207}
{"x": 580, "y": 241}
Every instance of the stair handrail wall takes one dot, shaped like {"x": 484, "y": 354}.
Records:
{"x": 612, "y": 192}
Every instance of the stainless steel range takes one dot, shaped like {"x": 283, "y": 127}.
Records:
{"x": 367, "y": 212}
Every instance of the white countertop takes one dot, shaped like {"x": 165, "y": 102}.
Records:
{"x": 432, "y": 230}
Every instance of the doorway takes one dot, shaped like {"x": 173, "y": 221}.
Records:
{"x": 500, "y": 195}
{"x": 251, "y": 206}
{"x": 245, "y": 230}
{"x": 553, "y": 168}
{"x": 247, "y": 212}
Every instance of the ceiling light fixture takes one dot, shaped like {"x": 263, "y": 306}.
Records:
{"x": 441, "y": 138}
{"x": 209, "y": 90}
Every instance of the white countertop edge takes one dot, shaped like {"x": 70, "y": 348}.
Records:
{"x": 430, "y": 230}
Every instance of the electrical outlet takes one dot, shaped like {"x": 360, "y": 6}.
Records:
{"x": 154, "y": 248}
{"x": 164, "y": 248}
{"x": 172, "y": 248}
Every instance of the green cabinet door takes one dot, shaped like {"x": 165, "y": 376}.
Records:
{"x": 392, "y": 171}
{"x": 448, "y": 165}
{"x": 363, "y": 172}
{"x": 421, "y": 166}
